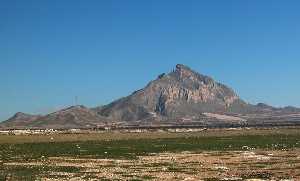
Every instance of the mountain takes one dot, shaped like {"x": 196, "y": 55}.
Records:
{"x": 19, "y": 120}
{"x": 71, "y": 117}
{"x": 182, "y": 92}
{"x": 182, "y": 97}
{"x": 185, "y": 97}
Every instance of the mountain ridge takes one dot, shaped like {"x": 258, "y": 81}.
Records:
{"x": 182, "y": 85}
{"x": 180, "y": 97}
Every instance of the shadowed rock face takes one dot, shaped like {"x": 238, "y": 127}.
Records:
{"x": 181, "y": 92}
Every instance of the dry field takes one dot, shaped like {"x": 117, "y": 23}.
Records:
{"x": 212, "y": 155}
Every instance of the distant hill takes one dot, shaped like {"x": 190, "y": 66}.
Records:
{"x": 182, "y": 97}
{"x": 20, "y": 120}
{"x": 72, "y": 117}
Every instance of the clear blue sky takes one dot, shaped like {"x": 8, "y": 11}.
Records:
{"x": 100, "y": 50}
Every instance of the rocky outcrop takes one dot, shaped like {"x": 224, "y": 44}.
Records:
{"x": 173, "y": 95}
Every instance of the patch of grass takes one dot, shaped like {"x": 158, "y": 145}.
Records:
{"x": 147, "y": 177}
{"x": 155, "y": 165}
{"x": 129, "y": 149}
{"x": 32, "y": 172}
{"x": 175, "y": 169}
{"x": 87, "y": 177}
{"x": 128, "y": 175}
{"x": 211, "y": 179}
{"x": 257, "y": 175}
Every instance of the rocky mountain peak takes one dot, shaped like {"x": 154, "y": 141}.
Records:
{"x": 194, "y": 87}
{"x": 71, "y": 109}
{"x": 183, "y": 91}
{"x": 185, "y": 74}
{"x": 181, "y": 67}
{"x": 77, "y": 107}
{"x": 183, "y": 71}
{"x": 20, "y": 114}
{"x": 19, "y": 119}
{"x": 263, "y": 105}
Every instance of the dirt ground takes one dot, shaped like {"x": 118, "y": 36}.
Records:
{"x": 211, "y": 165}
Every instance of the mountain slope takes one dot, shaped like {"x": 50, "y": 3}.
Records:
{"x": 74, "y": 116}
{"x": 71, "y": 117}
{"x": 180, "y": 93}
{"x": 19, "y": 120}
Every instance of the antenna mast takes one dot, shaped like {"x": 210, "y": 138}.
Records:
{"x": 76, "y": 100}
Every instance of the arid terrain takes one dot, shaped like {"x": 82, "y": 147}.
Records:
{"x": 161, "y": 90}
{"x": 217, "y": 154}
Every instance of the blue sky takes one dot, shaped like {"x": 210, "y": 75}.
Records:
{"x": 100, "y": 50}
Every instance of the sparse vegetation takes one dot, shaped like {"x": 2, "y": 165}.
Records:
{"x": 29, "y": 161}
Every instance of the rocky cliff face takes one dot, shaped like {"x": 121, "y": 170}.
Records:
{"x": 191, "y": 87}
{"x": 178, "y": 93}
